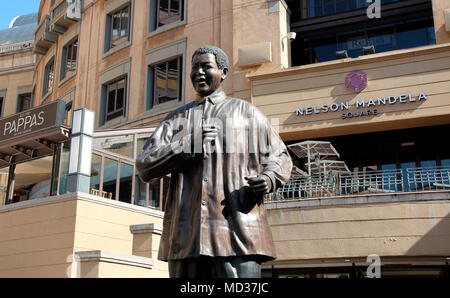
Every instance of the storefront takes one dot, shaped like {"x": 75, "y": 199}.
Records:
{"x": 35, "y": 153}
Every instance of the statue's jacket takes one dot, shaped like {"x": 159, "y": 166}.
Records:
{"x": 210, "y": 209}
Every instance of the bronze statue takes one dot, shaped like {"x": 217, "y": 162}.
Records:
{"x": 223, "y": 156}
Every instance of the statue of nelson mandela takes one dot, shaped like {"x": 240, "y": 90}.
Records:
{"x": 223, "y": 156}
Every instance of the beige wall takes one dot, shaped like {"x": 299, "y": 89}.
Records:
{"x": 389, "y": 229}
{"x": 37, "y": 237}
{"x": 425, "y": 69}
{"x": 16, "y": 70}
{"x": 442, "y": 36}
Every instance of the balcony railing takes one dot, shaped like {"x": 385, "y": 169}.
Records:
{"x": 359, "y": 183}
{"x": 63, "y": 14}
{"x": 43, "y": 38}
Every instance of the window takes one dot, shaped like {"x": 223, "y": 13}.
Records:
{"x": 166, "y": 81}
{"x": 119, "y": 22}
{"x": 23, "y": 102}
{"x": 166, "y": 14}
{"x": 115, "y": 99}
{"x": 69, "y": 60}
{"x": 169, "y": 11}
{"x": 317, "y": 8}
{"x": 1, "y": 106}
{"x": 320, "y": 47}
{"x": 49, "y": 76}
{"x": 68, "y": 115}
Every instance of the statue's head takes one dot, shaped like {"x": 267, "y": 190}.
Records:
{"x": 209, "y": 69}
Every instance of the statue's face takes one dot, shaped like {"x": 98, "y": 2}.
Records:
{"x": 206, "y": 76}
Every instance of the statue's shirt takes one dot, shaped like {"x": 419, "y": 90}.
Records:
{"x": 209, "y": 209}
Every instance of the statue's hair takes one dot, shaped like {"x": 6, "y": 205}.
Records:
{"x": 221, "y": 57}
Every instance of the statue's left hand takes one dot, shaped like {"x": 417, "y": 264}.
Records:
{"x": 260, "y": 184}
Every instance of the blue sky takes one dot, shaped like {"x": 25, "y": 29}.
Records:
{"x": 12, "y": 8}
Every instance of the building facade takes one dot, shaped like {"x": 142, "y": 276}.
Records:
{"x": 360, "y": 100}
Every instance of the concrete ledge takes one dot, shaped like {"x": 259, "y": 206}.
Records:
{"x": 360, "y": 199}
{"x": 83, "y": 197}
{"x": 112, "y": 257}
{"x": 146, "y": 228}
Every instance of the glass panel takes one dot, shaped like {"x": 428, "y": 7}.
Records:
{"x": 64, "y": 171}
{"x": 126, "y": 173}
{"x": 96, "y": 165}
{"x": 160, "y": 83}
{"x": 139, "y": 192}
{"x": 116, "y": 25}
{"x": 172, "y": 84}
{"x": 111, "y": 98}
{"x": 153, "y": 197}
{"x": 382, "y": 39}
{"x": 323, "y": 48}
{"x": 352, "y": 42}
{"x": 163, "y": 11}
{"x": 141, "y": 140}
{"x": 33, "y": 179}
{"x": 124, "y": 23}
{"x": 341, "y": 5}
{"x": 122, "y": 145}
{"x": 175, "y": 7}
{"x": 109, "y": 178}
{"x": 328, "y": 6}
{"x": 120, "y": 95}
{"x": 411, "y": 34}
{"x": 3, "y": 185}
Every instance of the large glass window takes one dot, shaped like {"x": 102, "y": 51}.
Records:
{"x": 115, "y": 99}
{"x": 318, "y": 8}
{"x": 313, "y": 48}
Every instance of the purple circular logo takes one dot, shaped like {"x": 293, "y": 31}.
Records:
{"x": 356, "y": 81}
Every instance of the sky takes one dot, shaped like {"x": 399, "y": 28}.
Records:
{"x": 13, "y": 8}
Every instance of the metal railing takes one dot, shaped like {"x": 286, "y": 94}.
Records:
{"x": 62, "y": 7}
{"x": 358, "y": 183}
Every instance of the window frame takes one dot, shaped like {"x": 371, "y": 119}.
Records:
{"x": 155, "y": 56}
{"x": 20, "y": 102}
{"x": 153, "y": 18}
{"x": 179, "y": 60}
{"x": 46, "y": 88}
{"x": 64, "y": 61}
{"x": 119, "y": 12}
{"x": 114, "y": 7}
{"x": 125, "y": 97}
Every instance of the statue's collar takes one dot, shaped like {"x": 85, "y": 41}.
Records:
{"x": 213, "y": 98}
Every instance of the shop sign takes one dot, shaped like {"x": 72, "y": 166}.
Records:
{"x": 39, "y": 118}
{"x": 361, "y": 107}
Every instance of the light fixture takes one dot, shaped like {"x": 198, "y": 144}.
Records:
{"x": 369, "y": 50}
{"x": 78, "y": 178}
{"x": 290, "y": 36}
{"x": 341, "y": 54}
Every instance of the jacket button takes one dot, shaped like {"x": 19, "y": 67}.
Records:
{"x": 205, "y": 179}
{"x": 203, "y": 203}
